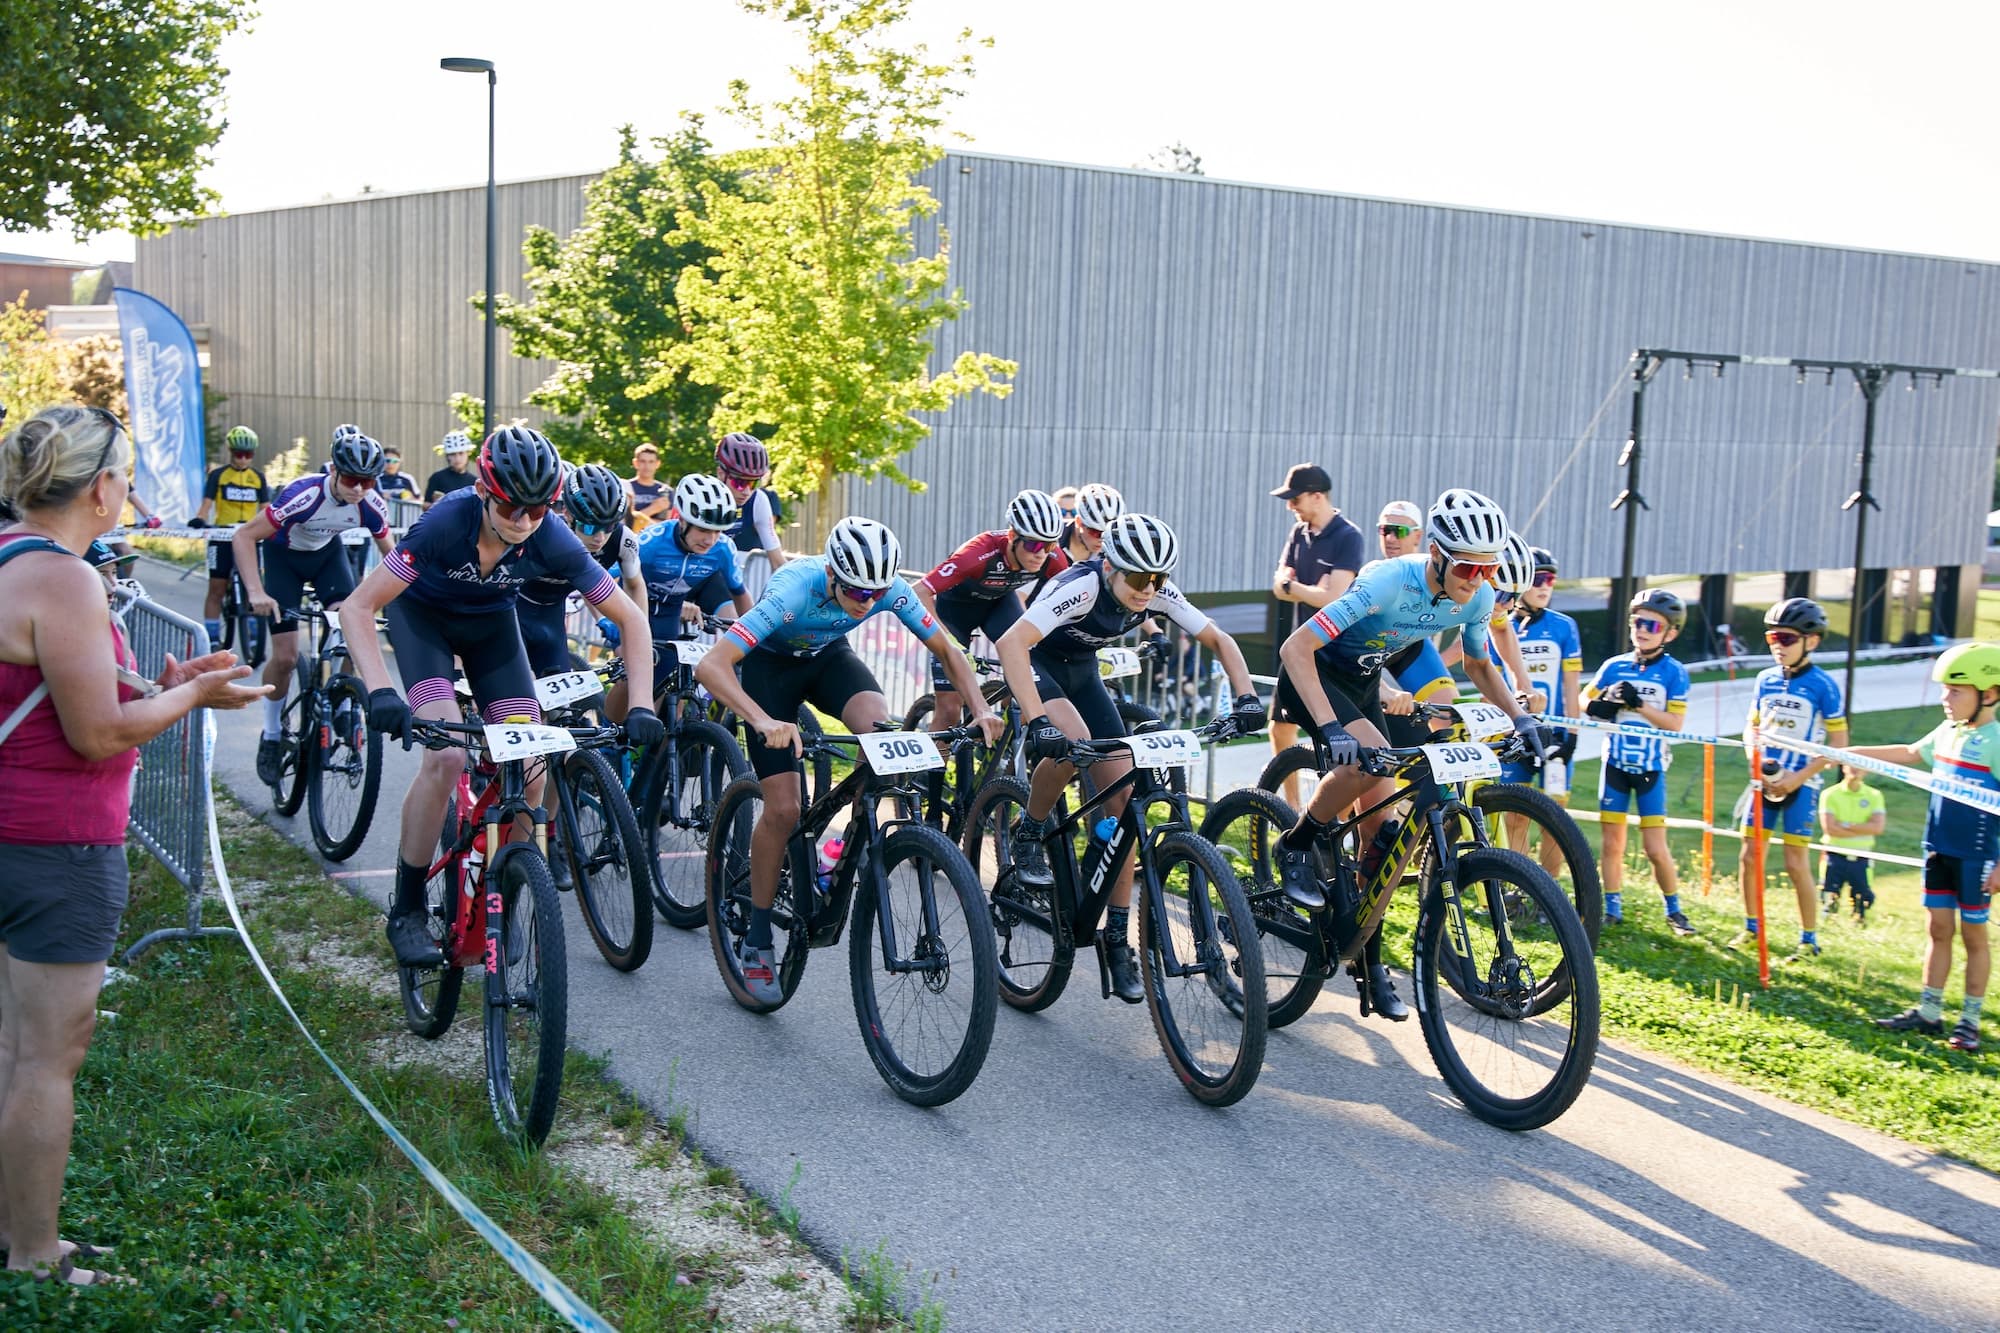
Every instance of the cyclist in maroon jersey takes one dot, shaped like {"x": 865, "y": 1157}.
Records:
{"x": 976, "y": 588}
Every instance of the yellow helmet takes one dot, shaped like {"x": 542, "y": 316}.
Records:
{"x": 1974, "y": 664}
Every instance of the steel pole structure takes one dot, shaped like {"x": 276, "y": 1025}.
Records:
{"x": 1870, "y": 379}
{"x": 492, "y": 240}
{"x": 1629, "y": 499}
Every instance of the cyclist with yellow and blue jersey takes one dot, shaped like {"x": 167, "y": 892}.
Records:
{"x": 1552, "y": 653}
{"x": 1643, "y": 688}
{"x": 1795, "y": 700}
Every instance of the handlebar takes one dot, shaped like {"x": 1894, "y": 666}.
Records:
{"x": 1083, "y": 753}
{"x": 442, "y": 735}
{"x": 828, "y": 743}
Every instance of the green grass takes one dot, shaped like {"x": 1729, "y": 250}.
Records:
{"x": 242, "y": 1186}
{"x": 183, "y": 551}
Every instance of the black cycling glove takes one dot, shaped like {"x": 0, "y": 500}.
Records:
{"x": 389, "y": 713}
{"x": 1043, "y": 739}
{"x": 1341, "y": 748}
{"x": 1249, "y": 714}
{"x": 1604, "y": 709}
{"x": 1535, "y": 734}
{"x": 197, "y": 523}
{"x": 643, "y": 727}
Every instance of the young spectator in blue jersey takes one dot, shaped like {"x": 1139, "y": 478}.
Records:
{"x": 1795, "y": 700}
{"x": 1852, "y": 815}
{"x": 1961, "y": 842}
{"x": 1648, "y": 689}
{"x": 449, "y": 590}
{"x": 792, "y": 646}
{"x": 298, "y": 536}
{"x": 1552, "y": 655}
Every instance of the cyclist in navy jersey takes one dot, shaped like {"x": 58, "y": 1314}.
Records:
{"x": 298, "y": 533}
{"x": 593, "y": 505}
{"x": 976, "y": 588}
{"x": 742, "y": 462}
{"x": 793, "y": 649}
{"x": 449, "y": 589}
{"x": 1050, "y": 661}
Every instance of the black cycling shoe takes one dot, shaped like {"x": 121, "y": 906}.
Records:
{"x": 1912, "y": 1020}
{"x": 1031, "y": 859}
{"x": 1382, "y": 995}
{"x": 559, "y": 871}
{"x": 271, "y": 751}
{"x": 1124, "y": 965}
{"x": 1296, "y": 878}
{"x": 411, "y": 939}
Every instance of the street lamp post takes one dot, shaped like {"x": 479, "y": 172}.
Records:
{"x": 468, "y": 65}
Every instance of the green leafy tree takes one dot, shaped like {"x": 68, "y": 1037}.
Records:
{"x": 603, "y": 307}
{"x": 35, "y": 369}
{"x": 108, "y": 109}
{"x": 813, "y": 313}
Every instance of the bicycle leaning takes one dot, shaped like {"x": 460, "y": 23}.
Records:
{"x": 1506, "y": 984}
{"x": 1204, "y": 980}
{"x": 921, "y": 958}
{"x": 332, "y": 762}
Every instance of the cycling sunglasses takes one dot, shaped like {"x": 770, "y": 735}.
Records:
{"x": 1033, "y": 547}
{"x": 739, "y": 481}
{"x": 514, "y": 513}
{"x": 1142, "y": 582}
{"x": 1397, "y": 530}
{"x": 860, "y": 594}
{"x": 1473, "y": 571}
{"x": 590, "y": 529}
{"x": 1068, "y": 512}
{"x": 1649, "y": 624}
{"x": 110, "y": 445}
{"x": 361, "y": 483}
{"x": 1545, "y": 579}
{"x": 1783, "y": 638}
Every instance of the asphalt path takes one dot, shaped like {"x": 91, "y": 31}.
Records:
{"x": 1076, "y": 1186}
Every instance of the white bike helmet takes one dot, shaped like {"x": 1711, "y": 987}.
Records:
{"x": 1466, "y": 523}
{"x": 1098, "y": 506}
{"x": 1141, "y": 544}
{"x": 863, "y": 553}
{"x": 1036, "y": 516}
{"x": 1516, "y": 573}
{"x": 704, "y": 502}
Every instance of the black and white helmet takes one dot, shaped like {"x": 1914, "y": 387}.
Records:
{"x": 593, "y": 494}
{"x": 1466, "y": 523}
{"x": 346, "y": 431}
{"x": 1098, "y": 506}
{"x": 1516, "y": 573}
{"x": 357, "y": 456}
{"x": 863, "y": 553}
{"x": 704, "y": 502}
{"x": 1141, "y": 544}
{"x": 1036, "y": 516}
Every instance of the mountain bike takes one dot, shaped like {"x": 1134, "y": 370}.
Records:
{"x": 1505, "y": 979}
{"x": 332, "y": 761}
{"x": 242, "y": 628}
{"x": 677, "y": 786}
{"x": 921, "y": 957}
{"x": 1205, "y": 986}
{"x": 492, "y": 904}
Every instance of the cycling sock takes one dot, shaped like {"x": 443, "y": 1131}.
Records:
{"x": 1372, "y": 953}
{"x": 1930, "y": 1003}
{"x": 1808, "y": 937}
{"x": 1301, "y": 836}
{"x": 410, "y": 882}
{"x": 1973, "y": 1004}
{"x": 759, "y": 934}
{"x": 214, "y": 628}
{"x": 1614, "y": 905}
{"x": 1117, "y": 922}
{"x": 274, "y": 718}
{"x": 1673, "y": 903}
{"x": 1750, "y": 924}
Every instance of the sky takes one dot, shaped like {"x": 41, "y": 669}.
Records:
{"x": 1832, "y": 121}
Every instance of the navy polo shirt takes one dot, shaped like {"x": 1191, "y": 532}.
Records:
{"x": 1312, "y": 556}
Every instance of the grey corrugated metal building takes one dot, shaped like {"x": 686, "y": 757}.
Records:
{"x": 1187, "y": 339}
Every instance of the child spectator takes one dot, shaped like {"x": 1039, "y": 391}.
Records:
{"x": 1552, "y": 653}
{"x": 1642, "y": 688}
{"x": 1961, "y": 844}
{"x": 1851, "y": 817}
{"x": 1795, "y": 700}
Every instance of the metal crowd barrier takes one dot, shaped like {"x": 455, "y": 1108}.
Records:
{"x": 170, "y": 788}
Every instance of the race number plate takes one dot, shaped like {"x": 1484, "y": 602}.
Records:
{"x": 689, "y": 652}
{"x": 1117, "y": 663}
{"x": 1462, "y": 761}
{"x": 1165, "y": 749}
{"x": 524, "y": 740}
{"x": 900, "y": 752}
{"x": 566, "y": 688}
{"x": 1483, "y": 721}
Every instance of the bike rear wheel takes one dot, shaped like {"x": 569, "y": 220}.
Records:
{"x": 346, "y": 770}
{"x": 1479, "y": 965}
{"x": 1034, "y": 959}
{"x": 1245, "y": 826}
{"x": 926, "y": 1014}
{"x": 678, "y": 816}
{"x": 1205, "y": 986}
{"x": 526, "y": 1033}
{"x": 607, "y": 860}
{"x": 1286, "y": 762}
{"x": 728, "y": 899}
{"x": 430, "y": 994}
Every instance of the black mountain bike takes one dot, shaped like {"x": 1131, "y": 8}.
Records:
{"x": 677, "y": 785}
{"x": 1205, "y": 983}
{"x": 242, "y": 629}
{"x": 332, "y": 761}
{"x": 1505, "y": 979}
{"x": 921, "y": 957}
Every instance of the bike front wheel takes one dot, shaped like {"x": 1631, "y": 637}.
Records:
{"x": 527, "y": 999}
{"x": 607, "y": 860}
{"x": 679, "y": 813}
{"x": 926, "y": 1012}
{"x": 1034, "y": 956}
{"x": 1484, "y": 946}
{"x": 729, "y": 903}
{"x": 346, "y": 773}
{"x": 1205, "y": 983}
{"x": 1245, "y": 826}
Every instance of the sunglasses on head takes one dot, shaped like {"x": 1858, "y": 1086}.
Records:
{"x": 1139, "y": 581}
{"x": 360, "y": 483}
{"x": 514, "y": 513}
{"x": 860, "y": 594}
{"x": 1397, "y": 530}
{"x": 1033, "y": 547}
{"x": 1545, "y": 579}
{"x": 1649, "y": 625}
{"x": 1783, "y": 638}
{"x": 110, "y": 445}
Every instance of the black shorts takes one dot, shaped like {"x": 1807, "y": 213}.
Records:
{"x": 1353, "y": 697}
{"x": 545, "y": 633}
{"x": 1848, "y": 872}
{"x": 964, "y": 618}
{"x": 287, "y": 572}
{"x": 221, "y": 559}
{"x": 778, "y": 684}
{"x": 1077, "y": 680}
{"x": 489, "y": 644}
{"x": 61, "y": 903}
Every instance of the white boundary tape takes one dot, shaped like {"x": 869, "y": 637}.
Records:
{"x": 546, "y": 1284}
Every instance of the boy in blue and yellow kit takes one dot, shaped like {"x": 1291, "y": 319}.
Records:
{"x": 1642, "y": 688}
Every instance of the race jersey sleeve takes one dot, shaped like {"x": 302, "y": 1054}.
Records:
{"x": 902, "y": 599}
{"x": 263, "y": 490}
{"x": 557, "y": 549}
{"x": 1833, "y": 708}
{"x": 785, "y": 597}
{"x": 765, "y": 520}
{"x": 1927, "y": 747}
{"x": 1180, "y": 610}
{"x": 1572, "y": 645}
{"x": 297, "y": 502}
{"x": 1597, "y": 682}
{"x": 628, "y": 554}
{"x": 1677, "y": 686}
{"x": 1477, "y": 634}
{"x": 1363, "y": 598}
{"x": 374, "y": 511}
{"x": 211, "y": 488}
{"x": 1063, "y": 604}
{"x": 968, "y": 561}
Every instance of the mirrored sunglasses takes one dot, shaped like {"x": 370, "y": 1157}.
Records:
{"x": 1473, "y": 570}
{"x": 860, "y": 594}
{"x": 739, "y": 482}
{"x": 1139, "y": 581}
{"x": 514, "y": 513}
{"x": 1033, "y": 547}
{"x": 1545, "y": 579}
{"x": 1649, "y": 624}
{"x": 1783, "y": 638}
{"x": 361, "y": 483}
{"x": 1396, "y": 530}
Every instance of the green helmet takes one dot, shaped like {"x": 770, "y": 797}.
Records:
{"x": 242, "y": 440}
{"x": 1974, "y": 664}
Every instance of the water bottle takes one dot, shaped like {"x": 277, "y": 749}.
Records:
{"x": 1101, "y": 831}
{"x": 829, "y": 857}
{"x": 1555, "y": 777}
{"x": 475, "y": 859}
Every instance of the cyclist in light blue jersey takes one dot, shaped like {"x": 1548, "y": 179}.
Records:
{"x": 793, "y": 649}
{"x": 679, "y": 554}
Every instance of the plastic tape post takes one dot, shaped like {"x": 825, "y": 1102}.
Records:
{"x": 546, "y": 1284}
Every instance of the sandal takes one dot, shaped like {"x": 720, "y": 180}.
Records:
{"x": 66, "y": 1273}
